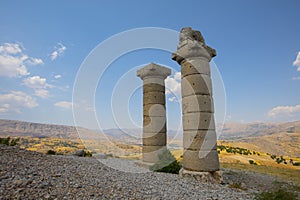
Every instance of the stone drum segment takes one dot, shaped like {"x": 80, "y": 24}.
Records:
{"x": 200, "y": 157}
{"x": 154, "y": 111}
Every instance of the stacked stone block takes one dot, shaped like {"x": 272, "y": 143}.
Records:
{"x": 154, "y": 110}
{"x": 199, "y": 135}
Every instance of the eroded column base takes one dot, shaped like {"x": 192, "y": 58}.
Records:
{"x": 215, "y": 177}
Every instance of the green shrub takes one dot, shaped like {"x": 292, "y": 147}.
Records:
{"x": 296, "y": 164}
{"x": 87, "y": 154}
{"x": 277, "y": 195}
{"x": 14, "y": 142}
{"x": 9, "y": 141}
{"x": 279, "y": 160}
{"x": 5, "y": 140}
{"x": 167, "y": 163}
{"x": 252, "y": 162}
{"x": 51, "y": 152}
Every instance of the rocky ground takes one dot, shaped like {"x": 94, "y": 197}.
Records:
{"x": 31, "y": 175}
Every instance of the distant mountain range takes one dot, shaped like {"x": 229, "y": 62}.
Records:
{"x": 234, "y": 131}
{"x": 277, "y": 138}
{"x": 38, "y": 130}
{"x": 274, "y": 138}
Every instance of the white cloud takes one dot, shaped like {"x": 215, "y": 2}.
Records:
{"x": 297, "y": 62}
{"x": 172, "y": 99}
{"x": 14, "y": 101}
{"x": 9, "y": 48}
{"x": 54, "y": 55}
{"x": 42, "y": 93}
{"x": 36, "y": 82}
{"x": 11, "y": 66}
{"x": 39, "y": 85}
{"x": 35, "y": 61}
{"x": 59, "y": 50}
{"x": 13, "y": 62}
{"x": 64, "y": 104}
{"x": 58, "y": 76}
{"x": 173, "y": 84}
{"x": 284, "y": 111}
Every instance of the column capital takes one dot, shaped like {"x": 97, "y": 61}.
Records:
{"x": 192, "y": 45}
{"x": 153, "y": 70}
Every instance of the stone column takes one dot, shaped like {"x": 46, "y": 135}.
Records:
{"x": 154, "y": 110}
{"x": 200, "y": 157}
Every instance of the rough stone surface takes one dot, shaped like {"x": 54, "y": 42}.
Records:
{"x": 150, "y": 153}
{"x": 198, "y": 121}
{"x": 200, "y": 157}
{"x": 154, "y": 87}
{"x": 31, "y": 175}
{"x": 154, "y": 124}
{"x": 153, "y": 70}
{"x": 197, "y": 103}
{"x": 195, "y": 66}
{"x": 158, "y": 139}
{"x": 155, "y": 97}
{"x": 201, "y": 161}
{"x": 206, "y": 177}
{"x": 79, "y": 153}
{"x": 196, "y": 140}
{"x": 154, "y": 112}
{"x": 196, "y": 84}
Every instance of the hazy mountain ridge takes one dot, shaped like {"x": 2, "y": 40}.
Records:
{"x": 277, "y": 138}
{"x": 39, "y": 130}
{"x": 233, "y": 131}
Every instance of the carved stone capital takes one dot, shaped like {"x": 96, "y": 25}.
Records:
{"x": 191, "y": 45}
{"x": 153, "y": 70}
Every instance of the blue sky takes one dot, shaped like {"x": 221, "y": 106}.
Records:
{"x": 44, "y": 43}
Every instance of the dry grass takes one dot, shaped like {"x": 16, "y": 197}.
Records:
{"x": 283, "y": 173}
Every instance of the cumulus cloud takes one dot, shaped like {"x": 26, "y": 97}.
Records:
{"x": 10, "y": 48}
{"x": 297, "y": 62}
{"x": 173, "y": 84}
{"x": 64, "y": 104}
{"x": 13, "y": 62}
{"x": 284, "y": 111}
{"x": 59, "y": 50}
{"x": 36, "y": 82}
{"x": 42, "y": 93}
{"x": 39, "y": 85}
{"x": 58, "y": 76}
{"x": 15, "y": 101}
{"x": 35, "y": 61}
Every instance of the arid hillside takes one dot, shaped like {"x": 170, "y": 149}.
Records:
{"x": 274, "y": 138}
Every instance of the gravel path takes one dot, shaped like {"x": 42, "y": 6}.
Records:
{"x": 31, "y": 175}
{"x": 123, "y": 165}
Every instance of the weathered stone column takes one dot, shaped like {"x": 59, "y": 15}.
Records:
{"x": 200, "y": 157}
{"x": 154, "y": 110}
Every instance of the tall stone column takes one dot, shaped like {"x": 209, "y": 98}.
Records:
{"x": 154, "y": 110}
{"x": 200, "y": 157}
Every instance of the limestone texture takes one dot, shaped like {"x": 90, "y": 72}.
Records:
{"x": 200, "y": 157}
{"x": 154, "y": 110}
